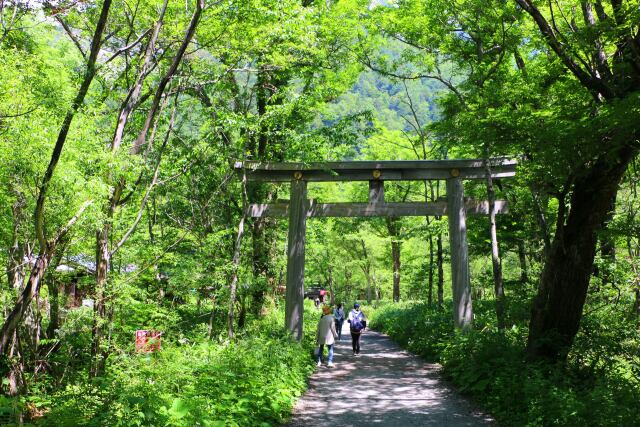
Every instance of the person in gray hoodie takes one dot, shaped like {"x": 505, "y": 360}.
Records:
{"x": 326, "y": 335}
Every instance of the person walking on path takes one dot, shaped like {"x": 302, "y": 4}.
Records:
{"x": 357, "y": 324}
{"x": 326, "y": 335}
{"x": 338, "y": 314}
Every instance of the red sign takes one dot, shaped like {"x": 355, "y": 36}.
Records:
{"x": 147, "y": 341}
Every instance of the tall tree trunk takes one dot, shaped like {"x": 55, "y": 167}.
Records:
{"x": 395, "y": 253}
{"x": 233, "y": 286}
{"x": 541, "y": 219}
{"x": 235, "y": 262}
{"x": 54, "y": 303}
{"x": 261, "y": 263}
{"x": 347, "y": 278}
{"x": 212, "y": 317}
{"x": 498, "y": 284}
{"x": 440, "y": 265}
{"x": 394, "y": 233}
{"x": 16, "y": 254}
{"x": 332, "y": 297}
{"x": 17, "y": 383}
{"x": 54, "y": 307}
{"x": 522, "y": 257}
{"x": 366, "y": 269}
{"x": 242, "y": 315}
{"x": 103, "y": 260}
{"x": 557, "y": 309}
{"x": 634, "y": 253}
{"x": 430, "y": 288}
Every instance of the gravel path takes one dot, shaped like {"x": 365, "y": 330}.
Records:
{"x": 383, "y": 386}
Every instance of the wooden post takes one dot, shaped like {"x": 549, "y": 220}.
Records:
{"x": 462, "y": 309}
{"x": 376, "y": 191}
{"x": 294, "y": 304}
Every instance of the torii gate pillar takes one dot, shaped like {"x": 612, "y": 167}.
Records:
{"x": 294, "y": 299}
{"x": 461, "y": 286}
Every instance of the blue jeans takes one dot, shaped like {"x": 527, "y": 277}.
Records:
{"x": 330, "y": 358}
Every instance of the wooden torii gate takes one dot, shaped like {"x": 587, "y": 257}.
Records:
{"x": 299, "y": 208}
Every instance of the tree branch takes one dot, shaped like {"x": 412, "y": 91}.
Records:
{"x": 594, "y": 85}
{"x": 69, "y": 32}
{"x": 142, "y": 137}
{"x": 126, "y": 48}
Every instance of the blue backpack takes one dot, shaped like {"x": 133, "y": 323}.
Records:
{"x": 357, "y": 324}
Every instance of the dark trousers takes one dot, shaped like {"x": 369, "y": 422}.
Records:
{"x": 355, "y": 342}
{"x": 339, "y": 324}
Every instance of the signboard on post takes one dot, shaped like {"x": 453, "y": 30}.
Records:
{"x": 147, "y": 341}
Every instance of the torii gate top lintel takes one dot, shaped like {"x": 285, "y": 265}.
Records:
{"x": 386, "y": 170}
{"x": 299, "y": 208}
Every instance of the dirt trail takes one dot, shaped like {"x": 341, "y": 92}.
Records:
{"x": 383, "y": 386}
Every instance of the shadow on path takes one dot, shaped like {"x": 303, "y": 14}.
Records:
{"x": 383, "y": 386}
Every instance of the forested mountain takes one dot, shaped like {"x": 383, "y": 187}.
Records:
{"x": 138, "y": 289}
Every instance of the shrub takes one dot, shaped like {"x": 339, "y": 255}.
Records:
{"x": 253, "y": 380}
{"x": 599, "y": 386}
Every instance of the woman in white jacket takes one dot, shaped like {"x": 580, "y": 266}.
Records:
{"x": 326, "y": 335}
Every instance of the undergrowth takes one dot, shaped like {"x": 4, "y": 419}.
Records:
{"x": 252, "y": 380}
{"x": 599, "y": 386}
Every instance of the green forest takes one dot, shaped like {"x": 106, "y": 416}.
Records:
{"x": 121, "y": 210}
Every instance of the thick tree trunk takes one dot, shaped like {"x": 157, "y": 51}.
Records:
{"x": 103, "y": 259}
{"x": 557, "y": 309}
{"x": 17, "y": 384}
{"x": 22, "y": 304}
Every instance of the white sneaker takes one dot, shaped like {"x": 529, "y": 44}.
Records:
{"x": 319, "y": 364}
{"x": 330, "y": 365}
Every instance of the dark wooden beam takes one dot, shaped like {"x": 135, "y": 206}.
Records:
{"x": 281, "y": 210}
{"x": 375, "y": 170}
{"x": 375, "y": 164}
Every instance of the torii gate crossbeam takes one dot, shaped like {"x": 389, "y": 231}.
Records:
{"x": 300, "y": 208}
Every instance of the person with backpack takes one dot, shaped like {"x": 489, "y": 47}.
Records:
{"x": 338, "y": 314}
{"x": 357, "y": 324}
{"x": 326, "y": 335}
